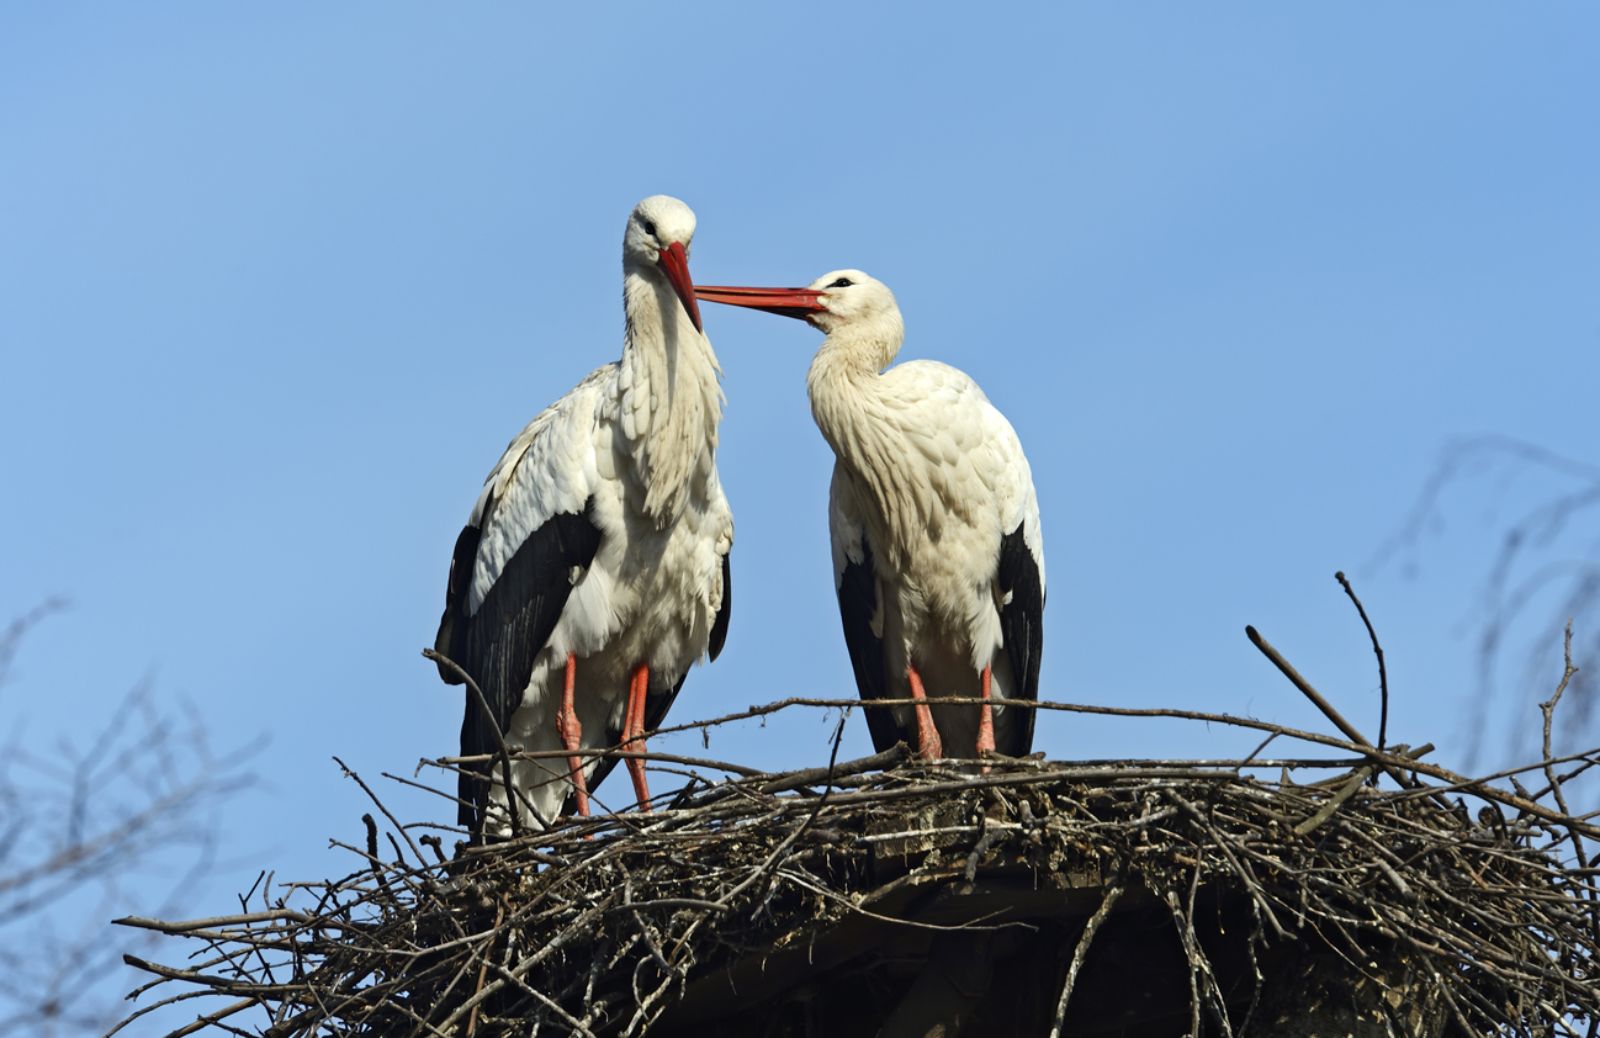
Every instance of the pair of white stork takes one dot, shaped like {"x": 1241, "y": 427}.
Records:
{"x": 594, "y": 572}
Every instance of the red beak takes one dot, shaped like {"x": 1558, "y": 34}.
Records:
{"x": 799, "y": 303}
{"x": 676, "y": 263}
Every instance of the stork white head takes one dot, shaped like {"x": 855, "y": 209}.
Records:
{"x": 656, "y": 244}
{"x": 850, "y": 305}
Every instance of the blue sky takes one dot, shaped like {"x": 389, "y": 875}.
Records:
{"x": 280, "y": 282}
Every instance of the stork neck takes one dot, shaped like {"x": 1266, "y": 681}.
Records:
{"x": 671, "y": 401}
{"x": 844, "y": 386}
{"x": 857, "y": 414}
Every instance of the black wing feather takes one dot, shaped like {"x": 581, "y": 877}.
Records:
{"x": 858, "y": 601}
{"x": 1022, "y": 622}
{"x": 451, "y": 641}
{"x": 657, "y": 701}
{"x": 498, "y": 644}
{"x": 719, "y": 626}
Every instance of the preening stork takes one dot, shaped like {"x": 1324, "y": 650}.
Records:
{"x": 594, "y": 568}
{"x": 937, "y": 553}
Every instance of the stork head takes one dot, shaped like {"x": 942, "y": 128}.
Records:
{"x": 656, "y": 243}
{"x": 853, "y": 300}
{"x": 844, "y": 303}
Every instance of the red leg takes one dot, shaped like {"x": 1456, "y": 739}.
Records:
{"x": 986, "y": 719}
{"x": 928, "y": 745}
{"x": 633, "y": 732}
{"x": 571, "y": 732}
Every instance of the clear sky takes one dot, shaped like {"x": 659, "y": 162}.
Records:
{"x": 277, "y": 284}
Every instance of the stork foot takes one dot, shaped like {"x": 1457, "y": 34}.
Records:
{"x": 633, "y": 733}
{"x": 986, "y": 720}
{"x": 571, "y": 733}
{"x": 929, "y": 747}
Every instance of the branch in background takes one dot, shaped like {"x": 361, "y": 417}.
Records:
{"x": 16, "y": 630}
{"x": 1545, "y": 570}
{"x": 91, "y": 822}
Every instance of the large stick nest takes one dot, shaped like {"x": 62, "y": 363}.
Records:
{"x": 1362, "y": 892}
{"x": 749, "y": 894}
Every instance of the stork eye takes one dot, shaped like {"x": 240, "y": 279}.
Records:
{"x": 841, "y": 283}
{"x": 650, "y": 228}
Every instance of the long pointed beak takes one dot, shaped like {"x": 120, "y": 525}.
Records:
{"x": 676, "y": 263}
{"x": 799, "y": 303}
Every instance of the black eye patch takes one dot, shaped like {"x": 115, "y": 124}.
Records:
{"x": 650, "y": 228}
{"x": 841, "y": 283}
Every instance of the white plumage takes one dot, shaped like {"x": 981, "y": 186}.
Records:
{"x": 598, "y": 549}
{"x": 938, "y": 556}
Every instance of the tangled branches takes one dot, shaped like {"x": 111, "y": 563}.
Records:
{"x": 1363, "y": 890}
{"x": 750, "y": 894}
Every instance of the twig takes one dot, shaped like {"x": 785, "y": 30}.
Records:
{"x": 372, "y": 829}
{"x": 1357, "y": 779}
{"x": 1377, "y": 650}
{"x": 1547, "y": 710}
{"x": 1080, "y": 952}
{"x": 500, "y": 741}
{"x": 1327, "y": 708}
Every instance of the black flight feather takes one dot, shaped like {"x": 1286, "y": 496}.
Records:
{"x": 451, "y": 640}
{"x": 1022, "y": 623}
{"x": 499, "y": 643}
{"x": 719, "y": 626}
{"x": 858, "y": 601}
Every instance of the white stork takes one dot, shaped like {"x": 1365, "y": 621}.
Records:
{"x": 937, "y": 554}
{"x": 594, "y": 569}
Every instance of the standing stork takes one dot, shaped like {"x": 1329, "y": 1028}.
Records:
{"x": 937, "y": 554}
{"x": 594, "y": 568}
